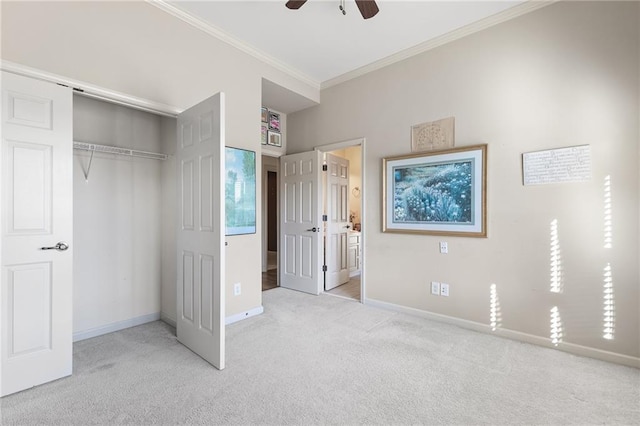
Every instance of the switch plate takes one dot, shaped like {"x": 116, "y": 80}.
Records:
{"x": 237, "y": 289}
{"x": 435, "y": 288}
{"x": 444, "y": 289}
{"x": 444, "y": 247}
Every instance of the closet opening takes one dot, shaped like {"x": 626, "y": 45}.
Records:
{"x": 124, "y": 217}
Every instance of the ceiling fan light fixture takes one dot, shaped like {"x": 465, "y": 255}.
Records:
{"x": 368, "y": 8}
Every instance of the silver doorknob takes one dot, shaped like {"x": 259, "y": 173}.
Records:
{"x": 314, "y": 229}
{"x": 348, "y": 226}
{"x": 61, "y": 246}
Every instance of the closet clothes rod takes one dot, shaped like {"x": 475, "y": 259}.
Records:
{"x": 84, "y": 146}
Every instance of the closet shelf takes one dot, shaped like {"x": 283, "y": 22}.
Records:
{"x": 84, "y": 146}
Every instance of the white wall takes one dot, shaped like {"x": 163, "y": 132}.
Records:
{"x": 564, "y": 75}
{"x": 117, "y": 221}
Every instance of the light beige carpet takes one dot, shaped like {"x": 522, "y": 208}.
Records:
{"x": 327, "y": 360}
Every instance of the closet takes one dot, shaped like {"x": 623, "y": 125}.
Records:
{"x": 123, "y": 217}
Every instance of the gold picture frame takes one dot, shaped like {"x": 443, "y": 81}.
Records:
{"x": 436, "y": 193}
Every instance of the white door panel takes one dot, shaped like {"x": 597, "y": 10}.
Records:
{"x": 337, "y": 207}
{"x": 200, "y": 238}
{"x": 37, "y": 212}
{"x": 300, "y": 222}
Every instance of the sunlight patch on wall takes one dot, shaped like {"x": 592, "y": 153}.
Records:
{"x": 495, "y": 318}
{"x": 608, "y": 229}
{"x": 556, "y": 260}
{"x": 555, "y": 326}
{"x": 609, "y": 305}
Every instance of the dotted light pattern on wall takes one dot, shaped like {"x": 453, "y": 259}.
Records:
{"x": 609, "y": 305}
{"x": 555, "y": 326}
{"x": 494, "y": 308}
{"x": 608, "y": 229}
{"x": 556, "y": 260}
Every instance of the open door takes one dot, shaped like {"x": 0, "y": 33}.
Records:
{"x": 337, "y": 210}
{"x": 36, "y": 284}
{"x": 200, "y": 237}
{"x": 301, "y": 222}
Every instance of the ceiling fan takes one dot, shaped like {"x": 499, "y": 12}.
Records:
{"x": 368, "y": 8}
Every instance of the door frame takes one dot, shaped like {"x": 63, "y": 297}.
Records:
{"x": 361, "y": 142}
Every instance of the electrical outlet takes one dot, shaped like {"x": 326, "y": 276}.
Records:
{"x": 444, "y": 289}
{"x": 444, "y": 247}
{"x": 237, "y": 289}
{"x": 435, "y": 288}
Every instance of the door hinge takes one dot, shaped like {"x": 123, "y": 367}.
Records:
{"x": 324, "y": 268}
{"x": 324, "y": 218}
{"x": 324, "y": 168}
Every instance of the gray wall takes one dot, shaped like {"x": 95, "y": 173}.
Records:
{"x": 116, "y": 217}
{"x": 567, "y": 74}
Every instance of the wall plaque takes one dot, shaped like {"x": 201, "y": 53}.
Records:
{"x": 571, "y": 164}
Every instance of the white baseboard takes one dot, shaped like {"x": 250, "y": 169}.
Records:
{"x": 115, "y": 326}
{"x": 512, "y": 334}
{"x": 244, "y": 315}
{"x": 229, "y": 320}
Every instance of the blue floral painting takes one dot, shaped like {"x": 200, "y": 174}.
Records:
{"x": 439, "y": 193}
{"x": 433, "y": 193}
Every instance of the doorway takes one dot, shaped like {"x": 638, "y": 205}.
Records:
{"x": 302, "y": 257}
{"x": 270, "y": 221}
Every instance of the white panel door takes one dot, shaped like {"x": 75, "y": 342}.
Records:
{"x": 36, "y": 222}
{"x": 200, "y": 237}
{"x": 337, "y": 210}
{"x": 300, "y": 222}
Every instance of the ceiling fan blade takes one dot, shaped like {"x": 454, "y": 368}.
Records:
{"x": 295, "y": 4}
{"x": 368, "y": 8}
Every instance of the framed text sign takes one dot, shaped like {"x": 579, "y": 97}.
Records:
{"x": 572, "y": 164}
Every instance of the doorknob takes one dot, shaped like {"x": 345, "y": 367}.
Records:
{"x": 314, "y": 229}
{"x": 61, "y": 246}
{"x": 348, "y": 226}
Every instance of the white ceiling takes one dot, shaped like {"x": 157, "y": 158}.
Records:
{"x": 321, "y": 47}
{"x": 319, "y": 42}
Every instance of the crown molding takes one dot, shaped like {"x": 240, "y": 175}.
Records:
{"x": 506, "y": 15}
{"x": 233, "y": 41}
{"x": 91, "y": 90}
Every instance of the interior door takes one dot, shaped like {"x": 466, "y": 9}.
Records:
{"x": 200, "y": 236}
{"x": 300, "y": 222}
{"x": 337, "y": 210}
{"x": 36, "y": 223}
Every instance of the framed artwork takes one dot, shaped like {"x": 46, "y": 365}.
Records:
{"x": 264, "y": 116}
{"x": 274, "y": 121}
{"x": 263, "y": 134}
{"x": 240, "y": 191}
{"x": 434, "y": 135}
{"x": 438, "y": 193}
{"x": 274, "y": 138}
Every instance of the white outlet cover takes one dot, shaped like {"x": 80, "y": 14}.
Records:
{"x": 444, "y": 289}
{"x": 435, "y": 288}
{"x": 237, "y": 289}
{"x": 444, "y": 247}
